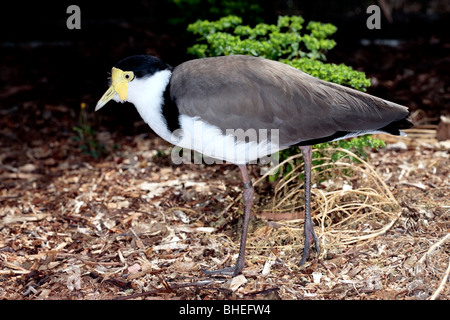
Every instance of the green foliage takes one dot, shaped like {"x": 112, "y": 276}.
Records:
{"x": 291, "y": 42}
{"x": 321, "y": 151}
{"x": 283, "y": 40}
{"x": 340, "y": 74}
{"x": 85, "y": 136}
{"x": 358, "y": 147}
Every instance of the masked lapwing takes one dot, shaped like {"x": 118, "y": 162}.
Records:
{"x": 241, "y": 108}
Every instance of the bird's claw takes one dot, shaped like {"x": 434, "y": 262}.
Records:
{"x": 230, "y": 271}
{"x": 310, "y": 235}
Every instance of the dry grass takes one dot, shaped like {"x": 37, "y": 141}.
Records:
{"x": 345, "y": 211}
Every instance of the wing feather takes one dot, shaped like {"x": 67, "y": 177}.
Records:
{"x": 243, "y": 92}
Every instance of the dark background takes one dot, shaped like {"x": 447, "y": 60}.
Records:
{"x": 44, "y": 65}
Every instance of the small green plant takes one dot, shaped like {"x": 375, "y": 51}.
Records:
{"x": 291, "y": 42}
{"x": 85, "y": 136}
{"x": 330, "y": 150}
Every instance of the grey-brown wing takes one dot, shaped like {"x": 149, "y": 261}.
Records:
{"x": 241, "y": 92}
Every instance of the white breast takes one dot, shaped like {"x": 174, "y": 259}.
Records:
{"x": 235, "y": 146}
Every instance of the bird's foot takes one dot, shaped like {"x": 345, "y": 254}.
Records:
{"x": 230, "y": 271}
{"x": 310, "y": 235}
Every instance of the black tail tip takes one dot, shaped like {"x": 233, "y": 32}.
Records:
{"x": 395, "y": 127}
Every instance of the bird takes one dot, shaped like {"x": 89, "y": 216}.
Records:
{"x": 240, "y": 108}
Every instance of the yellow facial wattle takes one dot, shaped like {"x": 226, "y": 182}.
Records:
{"x": 120, "y": 81}
{"x": 119, "y": 85}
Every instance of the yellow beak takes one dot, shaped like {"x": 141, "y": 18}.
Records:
{"x": 119, "y": 86}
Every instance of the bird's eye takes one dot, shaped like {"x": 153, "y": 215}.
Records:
{"x": 128, "y": 76}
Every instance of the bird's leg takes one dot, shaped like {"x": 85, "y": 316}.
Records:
{"x": 310, "y": 235}
{"x": 248, "y": 202}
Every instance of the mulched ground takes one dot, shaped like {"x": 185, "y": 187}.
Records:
{"x": 134, "y": 226}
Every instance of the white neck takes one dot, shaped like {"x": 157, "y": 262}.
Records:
{"x": 147, "y": 96}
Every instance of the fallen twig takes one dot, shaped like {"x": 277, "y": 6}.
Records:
{"x": 442, "y": 284}
{"x": 168, "y": 288}
{"x": 433, "y": 247}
